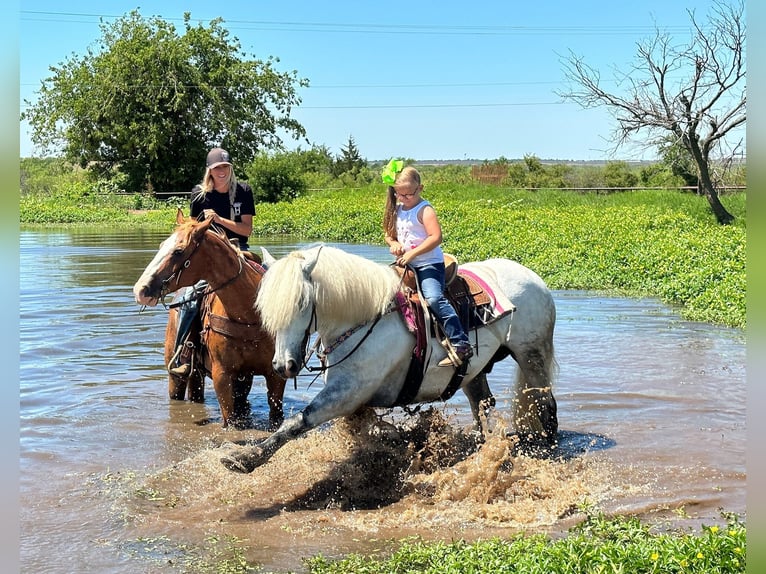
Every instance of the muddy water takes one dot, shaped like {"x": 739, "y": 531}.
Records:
{"x": 116, "y": 478}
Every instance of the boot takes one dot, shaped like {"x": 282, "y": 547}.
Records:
{"x": 456, "y": 356}
{"x": 182, "y": 360}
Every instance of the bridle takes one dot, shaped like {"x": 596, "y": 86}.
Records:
{"x": 322, "y": 355}
{"x": 165, "y": 288}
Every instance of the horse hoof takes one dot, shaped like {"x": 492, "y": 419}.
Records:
{"x": 235, "y": 465}
{"x": 243, "y": 462}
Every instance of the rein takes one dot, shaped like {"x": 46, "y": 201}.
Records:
{"x": 323, "y": 354}
{"x": 164, "y": 290}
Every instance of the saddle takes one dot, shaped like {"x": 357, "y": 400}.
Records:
{"x": 469, "y": 298}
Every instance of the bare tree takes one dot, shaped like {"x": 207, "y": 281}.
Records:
{"x": 694, "y": 93}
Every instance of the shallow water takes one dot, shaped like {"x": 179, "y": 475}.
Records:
{"x": 117, "y": 478}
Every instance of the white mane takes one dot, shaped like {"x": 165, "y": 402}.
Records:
{"x": 346, "y": 289}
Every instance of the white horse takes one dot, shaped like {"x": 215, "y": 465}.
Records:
{"x": 350, "y": 302}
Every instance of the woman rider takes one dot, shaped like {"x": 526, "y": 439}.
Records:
{"x": 230, "y": 204}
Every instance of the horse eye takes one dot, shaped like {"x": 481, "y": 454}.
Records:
{"x": 178, "y": 252}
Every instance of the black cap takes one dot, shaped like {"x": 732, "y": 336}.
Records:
{"x": 218, "y": 156}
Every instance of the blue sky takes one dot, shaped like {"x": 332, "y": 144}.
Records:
{"x": 425, "y": 80}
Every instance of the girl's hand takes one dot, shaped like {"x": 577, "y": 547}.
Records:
{"x": 396, "y": 249}
{"x": 403, "y": 259}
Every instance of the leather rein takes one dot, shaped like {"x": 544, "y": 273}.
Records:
{"x": 322, "y": 355}
{"x": 165, "y": 288}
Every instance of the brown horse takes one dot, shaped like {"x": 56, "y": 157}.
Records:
{"x": 234, "y": 346}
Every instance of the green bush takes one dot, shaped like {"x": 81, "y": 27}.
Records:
{"x": 599, "y": 544}
{"x": 275, "y": 178}
{"x": 619, "y": 174}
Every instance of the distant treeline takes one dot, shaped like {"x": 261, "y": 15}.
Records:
{"x": 288, "y": 175}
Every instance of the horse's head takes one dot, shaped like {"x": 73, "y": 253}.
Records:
{"x": 286, "y": 302}
{"x": 172, "y": 267}
{"x": 323, "y": 290}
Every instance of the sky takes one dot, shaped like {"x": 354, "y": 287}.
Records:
{"x": 440, "y": 80}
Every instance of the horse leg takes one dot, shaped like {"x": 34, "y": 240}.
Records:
{"x": 241, "y": 415}
{"x": 196, "y": 386}
{"x": 223, "y": 383}
{"x": 275, "y": 391}
{"x": 481, "y": 400}
{"x": 535, "y": 416}
{"x": 246, "y": 460}
{"x": 338, "y": 398}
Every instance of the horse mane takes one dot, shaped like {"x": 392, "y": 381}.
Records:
{"x": 346, "y": 289}
{"x": 215, "y": 232}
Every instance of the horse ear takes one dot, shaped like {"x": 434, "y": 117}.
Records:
{"x": 179, "y": 216}
{"x": 310, "y": 258}
{"x": 266, "y": 258}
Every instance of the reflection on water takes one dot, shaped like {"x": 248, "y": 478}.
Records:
{"x": 651, "y": 411}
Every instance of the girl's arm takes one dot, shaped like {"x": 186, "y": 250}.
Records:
{"x": 433, "y": 229}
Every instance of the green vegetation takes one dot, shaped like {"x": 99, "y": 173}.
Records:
{"x": 596, "y": 545}
{"x": 215, "y": 556}
{"x": 145, "y": 100}
{"x": 642, "y": 243}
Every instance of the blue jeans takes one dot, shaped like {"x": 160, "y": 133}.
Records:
{"x": 431, "y": 280}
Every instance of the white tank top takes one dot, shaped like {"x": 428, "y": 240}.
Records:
{"x": 411, "y": 232}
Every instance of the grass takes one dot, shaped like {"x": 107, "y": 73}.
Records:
{"x": 648, "y": 243}
{"x": 597, "y": 545}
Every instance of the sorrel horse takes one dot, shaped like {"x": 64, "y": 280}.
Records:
{"x": 234, "y": 345}
{"x": 351, "y": 303}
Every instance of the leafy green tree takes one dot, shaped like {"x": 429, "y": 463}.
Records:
{"x": 149, "y": 103}
{"x": 619, "y": 174}
{"x": 659, "y": 175}
{"x": 679, "y": 160}
{"x": 317, "y": 159}
{"x": 694, "y": 93}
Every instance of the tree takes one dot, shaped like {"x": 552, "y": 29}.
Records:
{"x": 695, "y": 93}
{"x": 619, "y": 174}
{"x": 149, "y": 103}
{"x": 349, "y": 160}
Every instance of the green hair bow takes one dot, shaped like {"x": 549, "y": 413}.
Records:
{"x": 392, "y": 168}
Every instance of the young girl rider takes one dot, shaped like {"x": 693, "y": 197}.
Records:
{"x": 413, "y": 234}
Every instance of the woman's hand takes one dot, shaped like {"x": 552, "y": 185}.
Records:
{"x": 404, "y": 258}
{"x": 211, "y": 214}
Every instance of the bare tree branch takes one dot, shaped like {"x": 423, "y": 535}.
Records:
{"x": 696, "y": 92}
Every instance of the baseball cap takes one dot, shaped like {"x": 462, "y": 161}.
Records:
{"x": 218, "y": 156}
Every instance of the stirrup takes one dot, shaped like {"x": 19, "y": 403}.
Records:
{"x": 455, "y": 357}
{"x": 452, "y": 359}
{"x": 184, "y": 351}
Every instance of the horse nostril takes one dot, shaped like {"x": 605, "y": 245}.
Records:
{"x": 279, "y": 369}
{"x": 285, "y": 370}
